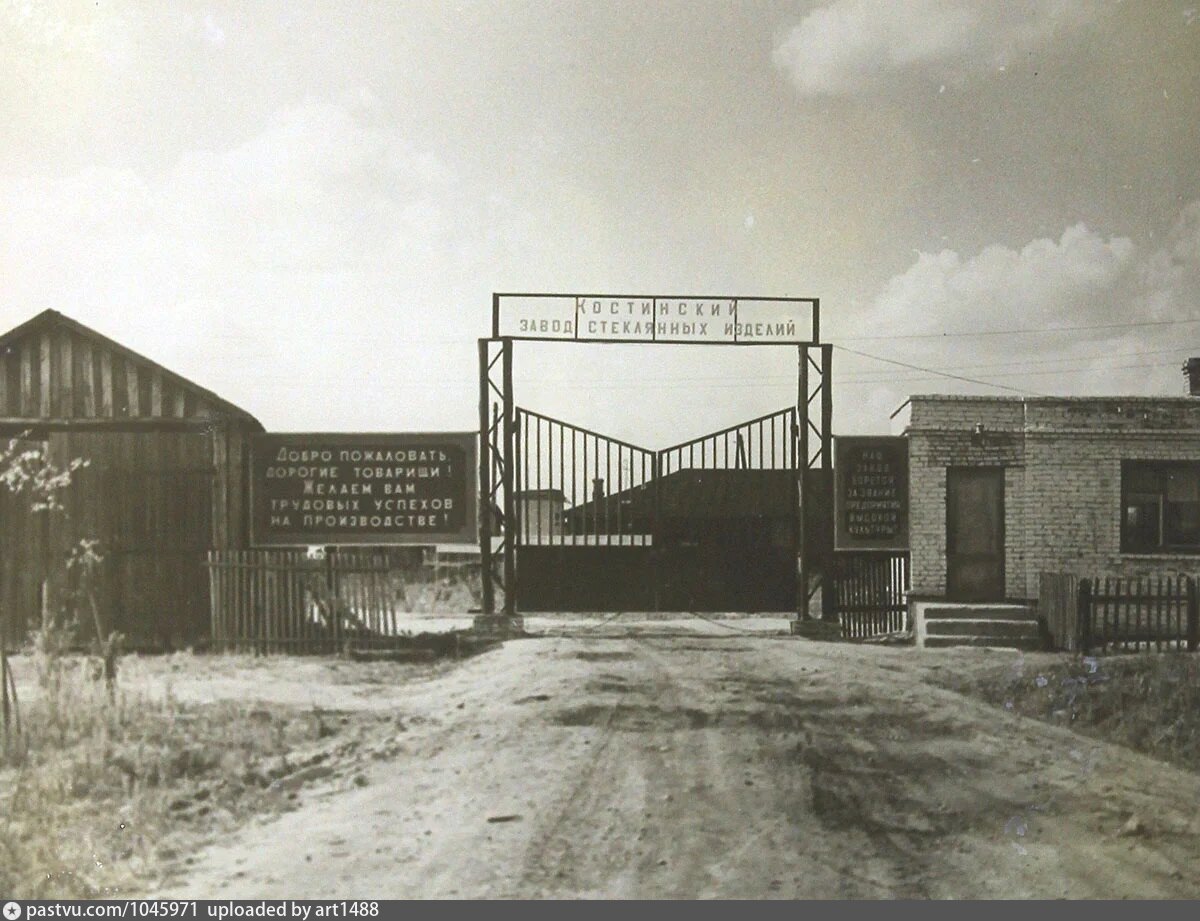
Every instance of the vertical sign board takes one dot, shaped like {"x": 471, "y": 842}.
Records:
{"x": 871, "y": 495}
{"x": 327, "y": 488}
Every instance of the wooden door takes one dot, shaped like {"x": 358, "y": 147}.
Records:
{"x": 975, "y": 533}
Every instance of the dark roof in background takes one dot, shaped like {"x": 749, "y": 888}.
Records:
{"x": 702, "y": 494}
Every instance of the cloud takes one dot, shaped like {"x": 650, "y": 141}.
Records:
{"x": 854, "y": 45}
{"x": 1127, "y": 306}
{"x": 1170, "y": 276}
{"x": 323, "y": 187}
{"x": 213, "y": 33}
{"x": 281, "y": 252}
{"x": 1044, "y": 280}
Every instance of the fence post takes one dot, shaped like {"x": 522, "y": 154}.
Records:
{"x": 1193, "y": 616}
{"x": 5, "y": 705}
{"x": 1083, "y": 615}
{"x": 331, "y": 592}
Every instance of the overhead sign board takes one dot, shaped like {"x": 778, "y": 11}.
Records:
{"x": 687, "y": 320}
{"x": 328, "y": 488}
{"x": 871, "y": 496}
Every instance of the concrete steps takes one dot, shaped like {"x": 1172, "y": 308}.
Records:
{"x": 1003, "y": 625}
{"x": 1029, "y": 644}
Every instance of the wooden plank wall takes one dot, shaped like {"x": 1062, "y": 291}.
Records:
{"x": 23, "y": 559}
{"x": 156, "y": 500}
{"x": 148, "y": 498}
{"x": 1057, "y": 607}
{"x": 56, "y": 373}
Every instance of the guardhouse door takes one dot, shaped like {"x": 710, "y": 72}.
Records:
{"x": 975, "y": 533}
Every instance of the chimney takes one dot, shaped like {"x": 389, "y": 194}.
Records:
{"x": 598, "y": 489}
{"x": 1191, "y": 370}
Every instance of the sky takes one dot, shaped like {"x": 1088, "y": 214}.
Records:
{"x": 307, "y": 206}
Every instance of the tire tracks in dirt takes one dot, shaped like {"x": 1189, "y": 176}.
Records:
{"x": 588, "y": 825}
{"x": 685, "y": 766}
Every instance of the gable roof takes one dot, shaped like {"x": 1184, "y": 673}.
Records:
{"x": 72, "y": 381}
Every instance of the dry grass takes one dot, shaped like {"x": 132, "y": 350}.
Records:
{"x": 100, "y": 792}
{"x": 1147, "y": 702}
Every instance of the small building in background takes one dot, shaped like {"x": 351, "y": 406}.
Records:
{"x": 166, "y": 480}
{"x": 540, "y": 513}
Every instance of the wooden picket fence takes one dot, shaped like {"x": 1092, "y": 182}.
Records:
{"x": 266, "y": 601}
{"x": 1138, "y": 614}
{"x": 1119, "y": 614}
{"x": 870, "y": 592}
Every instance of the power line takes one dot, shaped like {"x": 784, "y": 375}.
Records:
{"x": 883, "y": 380}
{"x": 1024, "y": 331}
{"x": 848, "y": 382}
{"x": 955, "y": 377}
{"x": 1062, "y": 360}
{"x": 723, "y": 383}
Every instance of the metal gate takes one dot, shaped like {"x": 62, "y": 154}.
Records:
{"x": 602, "y": 524}
{"x": 712, "y": 546}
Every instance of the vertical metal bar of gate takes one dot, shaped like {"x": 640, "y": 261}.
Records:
{"x": 828, "y": 606}
{"x": 801, "y": 471}
{"x": 655, "y": 531}
{"x": 509, "y": 434}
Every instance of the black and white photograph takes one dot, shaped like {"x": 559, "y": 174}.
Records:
{"x": 597, "y": 450}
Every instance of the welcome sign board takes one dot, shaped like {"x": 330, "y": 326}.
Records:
{"x": 328, "y": 488}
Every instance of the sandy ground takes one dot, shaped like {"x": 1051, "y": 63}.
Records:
{"x": 712, "y": 763}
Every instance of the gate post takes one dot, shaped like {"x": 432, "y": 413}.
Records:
{"x": 485, "y": 486}
{"x": 828, "y": 612}
{"x": 815, "y": 494}
{"x": 497, "y": 449}
{"x": 506, "y": 472}
{"x": 800, "y": 447}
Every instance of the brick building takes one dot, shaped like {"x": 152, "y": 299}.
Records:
{"x": 1004, "y": 488}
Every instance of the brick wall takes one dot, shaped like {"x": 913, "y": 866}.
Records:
{"x": 1062, "y": 483}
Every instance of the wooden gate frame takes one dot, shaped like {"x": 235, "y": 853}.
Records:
{"x": 497, "y": 450}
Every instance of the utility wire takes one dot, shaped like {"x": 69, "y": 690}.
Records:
{"x": 946, "y": 374}
{"x": 728, "y": 383}
{"x": 1063, "y": 360}
{"x": 1017, "y": 332}
{"x": 1052, "y": 371}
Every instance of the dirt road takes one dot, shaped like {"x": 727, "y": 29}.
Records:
{"x": 735, "y": 766}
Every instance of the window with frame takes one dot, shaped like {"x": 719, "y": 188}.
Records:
{"x": 1160, "y": 506}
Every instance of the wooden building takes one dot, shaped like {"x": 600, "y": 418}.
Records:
{"x": 166, "y": 480}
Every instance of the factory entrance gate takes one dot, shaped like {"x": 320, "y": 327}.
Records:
{"x": 605, "y": 525}
{"x": 576, "y": 520}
